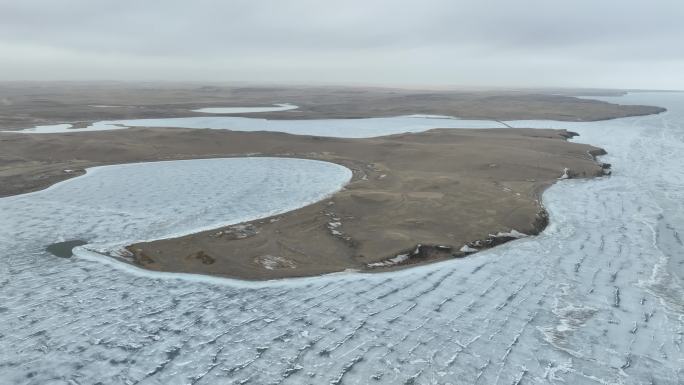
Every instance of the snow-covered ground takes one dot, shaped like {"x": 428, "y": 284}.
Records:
{"x": 596, "y": 299}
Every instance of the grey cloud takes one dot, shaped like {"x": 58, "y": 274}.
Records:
{"x": 348, "y": 41}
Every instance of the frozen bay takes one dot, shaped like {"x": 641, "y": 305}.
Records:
{"x": 596, "y": 298}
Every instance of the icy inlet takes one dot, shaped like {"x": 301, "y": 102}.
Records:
{"x": 595, "y": 299}
{"x": 343, "y": 128}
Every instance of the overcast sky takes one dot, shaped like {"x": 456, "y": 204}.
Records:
{"x": 585, "y": 43}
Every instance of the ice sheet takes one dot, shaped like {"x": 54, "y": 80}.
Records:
{"x": 595, "y": 299}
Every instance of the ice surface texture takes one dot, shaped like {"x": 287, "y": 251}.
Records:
{"x": 595, "y": 299}
{"x": 121, "y": 204}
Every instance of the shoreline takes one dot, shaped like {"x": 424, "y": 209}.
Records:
{"x": 417, "y": 255}
{"x": 328, "y": 236}
{"x": 442, "y": 187}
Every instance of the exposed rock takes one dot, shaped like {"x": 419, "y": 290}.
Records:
{"x": 566, "y": 174}
{"x": 605, "y": 168}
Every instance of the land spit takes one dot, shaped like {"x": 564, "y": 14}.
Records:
{"x": 413, "y": 198}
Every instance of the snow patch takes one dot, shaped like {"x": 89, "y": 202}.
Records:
{"x": 468, "y": 249}
{"x": 274, "y": 262}
{"x": 512, "y": 234}
{"x": 390, "y": 262}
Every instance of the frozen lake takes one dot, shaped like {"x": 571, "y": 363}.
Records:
{"x": 117, "y": 205}
{"x": 244, "y": 110}
{"x": 596, "y": 299}
{"x": 346, "y": 128}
